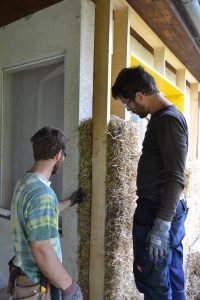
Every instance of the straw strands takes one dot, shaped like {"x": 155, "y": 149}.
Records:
{"x": 192, "y": 193}
{"x": 193, "y": 277}
{"x": 192, "y": 240}
{"x": 84, "y": 213}
{"x": 122, "y": 159}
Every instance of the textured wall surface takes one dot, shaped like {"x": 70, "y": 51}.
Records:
{"x": 6, "y": 251}
{"x": 192, "y": 193}
{"x": 191, "y": 241}
{"x": 122, "y": 158}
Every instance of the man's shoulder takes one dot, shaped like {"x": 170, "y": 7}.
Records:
{"x": 31, "y": 186}
{"x": 172, "y": 114}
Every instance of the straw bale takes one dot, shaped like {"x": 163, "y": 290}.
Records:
{"x": 192, "y": 194}
{"x": 122, "y": 159}
{"x": 193, "y": 276}
{"x": 192, "y": 242}
{"x": 84, "y": 212}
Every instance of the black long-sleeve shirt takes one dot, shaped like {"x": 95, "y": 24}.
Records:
{"x": 161, "y": 166}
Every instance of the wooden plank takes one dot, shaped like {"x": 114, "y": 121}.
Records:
{"x": 101, "y": 114}
{"x": 164, "y": 20}
{"x": 151, "y": 39}
{"x": 181, "y": 83}
{"x": 142, "y": 41}
{"x": 193, "y": 126}
{"x": 198, "y": 150}
{"x": 181, "y": 79}
{"x": 120, "y": 57}
{"x": 159, "y": 60}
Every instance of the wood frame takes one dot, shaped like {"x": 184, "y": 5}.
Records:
{"x": 101, "y": 115}
{"x": 120, "y": 57}
{"x": 193, "y": 126}
{"x": 159, "y": 60}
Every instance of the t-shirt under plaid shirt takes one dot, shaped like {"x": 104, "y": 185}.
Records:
{"x": 34, "y": 216}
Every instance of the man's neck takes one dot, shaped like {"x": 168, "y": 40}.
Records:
{"x": 43, "y": 168}
{"x": 158, "y": 102}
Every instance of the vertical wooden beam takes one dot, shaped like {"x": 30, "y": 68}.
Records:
{"x": 181, "y": 84}
{"x": 159, "y": 60}
{"x": 181, "y": 79}
{"x": 193, "y": 128}
{"x": 120, "y": 58}
{"x": 101, "y": 114}
{"x": 198, "y": 136}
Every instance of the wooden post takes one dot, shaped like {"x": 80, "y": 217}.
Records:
{"x": 193, "y": 126}
{"x": 181, "y": 79}
{"x": 181, "y": 84}
{"x": 159, "y": 60}
{"x": 101, "y": 115}
{"x": 120, "y": 58}
{"x": 198, "y": 150}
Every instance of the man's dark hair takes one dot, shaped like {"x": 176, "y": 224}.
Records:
{"x": 47, "y": 142}
{"x": 132, "y": 80}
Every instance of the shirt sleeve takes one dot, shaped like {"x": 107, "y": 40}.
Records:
{"x": 172, "y": 140}
{"x": 42, "y": 218}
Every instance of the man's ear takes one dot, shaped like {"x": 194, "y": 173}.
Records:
{"x": 58, "y": 155}
{"x": 139, "y": 97}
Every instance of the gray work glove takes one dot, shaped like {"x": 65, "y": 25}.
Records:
{"x": 73, "y": 292}
{"x": 77, "y": 197}
{"x": 158, "y": 239}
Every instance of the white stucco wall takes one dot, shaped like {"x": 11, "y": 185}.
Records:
{"x": 6, "y": 251}
{"x": 67, "y": 29}
{"x": 69, "y": 241}
{"x": 86, "y": 59}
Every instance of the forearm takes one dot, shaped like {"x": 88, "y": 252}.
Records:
{"x": 169, "y": 201}
{"x": 49, "y": 264}
{"x": 63, "y": 204}
{"x": 75, "y": 198}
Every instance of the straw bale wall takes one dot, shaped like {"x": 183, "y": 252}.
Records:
{"x": 191, "y": 242}
{"x": 122, "y": 158}
{"x": 192, "y": 194}
{"x": 84, "y": 213}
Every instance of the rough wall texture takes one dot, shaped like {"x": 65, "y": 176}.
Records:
{"x": 192, "y": 194}
{"x": 84, "y": 210}
{"x": 122, "y": 158}
{"x": 6, "y": 251}
{"x": 192, "y": 240}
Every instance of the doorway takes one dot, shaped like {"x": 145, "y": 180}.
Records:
{"x": 33, "y": 97}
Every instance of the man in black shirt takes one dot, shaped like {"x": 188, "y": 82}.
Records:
{"x": 158, "y": 225}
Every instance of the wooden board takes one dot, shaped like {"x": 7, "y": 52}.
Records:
{"x": 193, "y": 126}
{"x": 101, "y": 114}
{"x": 120, "y": 58}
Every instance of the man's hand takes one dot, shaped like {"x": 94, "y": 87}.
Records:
{"x": 158, "y": 239}
{"x": 77, "y": 197}
{"x": 73, "y": 292}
